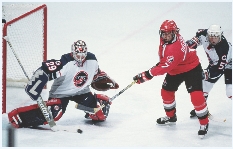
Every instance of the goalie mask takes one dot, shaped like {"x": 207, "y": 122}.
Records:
{"x": 79, "y": 52}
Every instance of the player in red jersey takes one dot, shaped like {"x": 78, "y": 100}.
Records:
{"x": 180, "y": 64}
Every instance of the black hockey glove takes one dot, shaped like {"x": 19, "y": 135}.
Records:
{"x": 142, "y": 77}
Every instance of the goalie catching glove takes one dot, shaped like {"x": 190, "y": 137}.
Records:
{"x": 102, "y": 82}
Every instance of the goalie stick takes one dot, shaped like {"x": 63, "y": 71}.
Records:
{"x": 72, "y": 129}
{"x": 40, "y": 102}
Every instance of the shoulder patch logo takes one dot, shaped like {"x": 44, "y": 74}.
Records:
{"x": 170, "y": 59}
{"x": 80, "y": 78}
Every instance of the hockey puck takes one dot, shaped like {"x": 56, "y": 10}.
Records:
{"x": 79, "y": 131}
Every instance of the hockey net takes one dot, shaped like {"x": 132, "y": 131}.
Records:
{"x": 26, "y": 27}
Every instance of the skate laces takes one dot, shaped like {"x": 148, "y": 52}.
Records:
{"x": 165, "y": 118}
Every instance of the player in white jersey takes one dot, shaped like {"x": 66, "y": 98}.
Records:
{"x": 219, "y": 54}
{"x": 73, "y": 75}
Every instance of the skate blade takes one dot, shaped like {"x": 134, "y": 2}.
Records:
{"x": 201, "y": 136}
{"x": 168, "y": 123}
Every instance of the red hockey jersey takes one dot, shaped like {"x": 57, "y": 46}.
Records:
{"x": 175, "y": 58}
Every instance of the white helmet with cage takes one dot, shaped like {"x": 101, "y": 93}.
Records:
{"x": 79, "y": 51}
{"x": 214, "y": 32}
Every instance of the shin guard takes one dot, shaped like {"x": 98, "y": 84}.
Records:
{"x": 200, "y": 106}
{"x": 169, "y": 102}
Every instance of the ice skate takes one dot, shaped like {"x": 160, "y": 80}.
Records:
{"x": 203, "y": 130}
{"x": 167, "y": 120}
{"x": 193, "y": 113}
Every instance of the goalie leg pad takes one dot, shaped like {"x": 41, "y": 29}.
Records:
{"x": 56, "y": 108}
{"x": 98, "y": 116}
{"x": 14, "y": 118}
{"x": 103, "y": 99}
{"x": 26, "y": 116}
{"x": 101, "y": 115}
{"x": 32, "y": 115}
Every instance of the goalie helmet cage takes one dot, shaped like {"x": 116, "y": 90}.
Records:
{"x": 26, "y": 27}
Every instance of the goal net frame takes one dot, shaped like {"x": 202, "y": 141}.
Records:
{"x": 6, "y": 48}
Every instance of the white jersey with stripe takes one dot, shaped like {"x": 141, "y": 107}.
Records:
{"x": 219, "y": 55}
{"x": 69, "y": 79}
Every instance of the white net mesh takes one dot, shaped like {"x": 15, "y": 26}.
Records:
{"x": 27, "y": 38}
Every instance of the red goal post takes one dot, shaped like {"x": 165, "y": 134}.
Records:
{"x": 26, "y": 27}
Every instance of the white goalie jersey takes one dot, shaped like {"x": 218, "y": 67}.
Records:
{"x": 69, "y": 79}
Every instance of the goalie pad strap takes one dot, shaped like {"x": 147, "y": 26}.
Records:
{"x": 51, "y": 102}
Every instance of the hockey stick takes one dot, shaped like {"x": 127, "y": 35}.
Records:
{"x": 131, "y": 84}
{"x": 210, "y": 116}
{"x": 213, "y": 118}
{"x": 127, "y": 87}
{"x": 44, "y": 109}
{"x": 87, "y": 109}
{"x": 94, "y": 110}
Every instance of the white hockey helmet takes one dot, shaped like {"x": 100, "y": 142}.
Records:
{"x": 79, "y": 51}
{"x": 214, "y": 31}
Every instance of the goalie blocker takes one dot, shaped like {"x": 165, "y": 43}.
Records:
{"x": 32, "y": 116}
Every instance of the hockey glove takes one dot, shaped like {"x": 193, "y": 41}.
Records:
{"x": 193, "y": 43}
{"x": 212, "y": 73}
{"x": 205, "y": 74}
{"x": 102, "y": 82}
{"x": 142, "y": 77}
